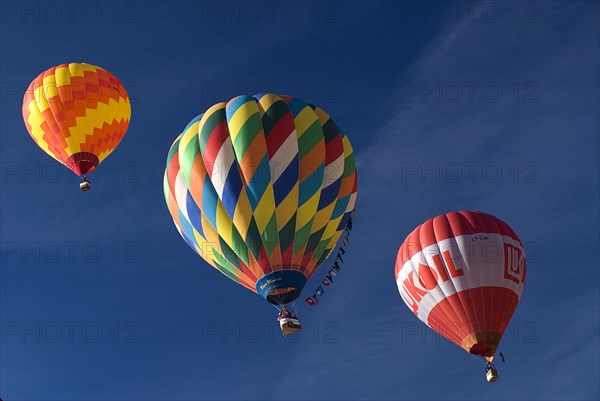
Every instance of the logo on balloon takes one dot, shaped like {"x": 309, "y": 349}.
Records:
{"x": 514, "y": 264}
{"x": 417, "y": 284}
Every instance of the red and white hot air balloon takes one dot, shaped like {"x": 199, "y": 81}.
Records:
{"x": 462, "y": 274}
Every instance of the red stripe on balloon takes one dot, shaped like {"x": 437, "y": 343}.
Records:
{"x": 279, "y": 133}
{"x": 214, "y": 144}
{"x": 490, "y": 310}
{"x": 334, "y": 149}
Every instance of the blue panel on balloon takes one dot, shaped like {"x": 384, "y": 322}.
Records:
{"x": 292, "y": 279}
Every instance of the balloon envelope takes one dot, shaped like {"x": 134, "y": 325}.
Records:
{"x": 262, "y": 188}
{"x": 463, "y": 274}
{"x": 77, "y": 113}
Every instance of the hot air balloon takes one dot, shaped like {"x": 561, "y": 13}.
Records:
{"x": 78, "y": 114}
{"x": 262, "y": 188}
{"x": 462, "y": 274}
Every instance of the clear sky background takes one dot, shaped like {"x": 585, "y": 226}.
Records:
{"x": 490, "y": 106}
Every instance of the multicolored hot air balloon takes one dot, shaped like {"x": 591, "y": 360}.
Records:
{"x": 262, "y": 188}
{"x": 78, "y": 114}
{"x": 463, "y": 274}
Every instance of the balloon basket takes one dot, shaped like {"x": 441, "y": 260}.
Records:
{"x": 85, "y": 185}
{"x": 289, "y": 326}
{"x": 491, "y": 374}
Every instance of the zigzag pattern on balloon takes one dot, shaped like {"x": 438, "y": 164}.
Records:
{"x": 77, "y": 113}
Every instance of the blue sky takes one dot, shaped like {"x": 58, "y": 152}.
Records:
{"x": 449, "y": 106}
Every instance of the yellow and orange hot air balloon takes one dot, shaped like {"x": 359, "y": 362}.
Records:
{"x": 78, "y": 114}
